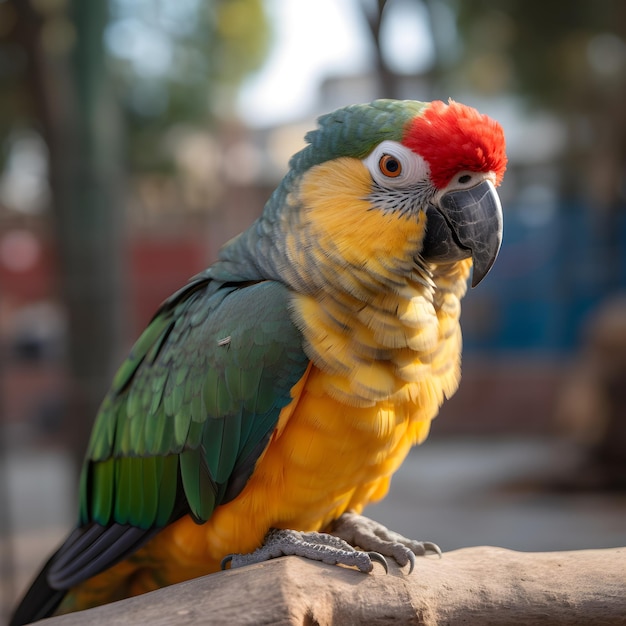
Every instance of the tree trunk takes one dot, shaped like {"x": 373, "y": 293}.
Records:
{"x": 81, "y": 126}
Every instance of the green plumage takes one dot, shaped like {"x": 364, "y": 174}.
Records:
{"x": 193, "y": 405}
{"x": 354, "y": 130}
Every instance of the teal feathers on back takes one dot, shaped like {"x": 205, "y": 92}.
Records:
{"x": 193, "y": 406}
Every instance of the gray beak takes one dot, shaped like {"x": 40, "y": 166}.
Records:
{"x": 466, "y": 223}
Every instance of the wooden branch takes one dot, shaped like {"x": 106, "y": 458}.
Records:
{"x": 485, "y": 586}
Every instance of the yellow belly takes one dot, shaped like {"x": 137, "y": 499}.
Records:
{"x": 325, "y": 458}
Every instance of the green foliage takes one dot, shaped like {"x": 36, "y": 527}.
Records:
{"x": 171, "y": 61}
{"x": 191, "y": 57}
{"x": 548, "y": 52}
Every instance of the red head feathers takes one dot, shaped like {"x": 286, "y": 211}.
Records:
{"x": 454, "y": 137}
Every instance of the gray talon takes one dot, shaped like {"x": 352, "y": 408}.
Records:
{"x": 433, "y": 547}
{"x": 411, "y": 557}
{"x": 375, "y": 542}
{"x": 373, "y": 537}
{"x": 379, "y": 558}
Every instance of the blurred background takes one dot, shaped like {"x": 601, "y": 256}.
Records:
{"x": 136, "y": 136}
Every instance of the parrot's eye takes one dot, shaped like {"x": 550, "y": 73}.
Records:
{"x": 390, "y": 166}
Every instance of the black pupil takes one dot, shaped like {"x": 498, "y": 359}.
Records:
{"x": 465, "y": 178}
{"x": 392, "y": 165}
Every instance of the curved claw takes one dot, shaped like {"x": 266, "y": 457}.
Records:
{"x": 411, "y": 558}
{"x": 433, "y": 547}
{"x": 379, "y": 558}
{"x": 225, "y": 561}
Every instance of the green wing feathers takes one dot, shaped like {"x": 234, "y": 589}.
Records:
{"x": 193, "y": 406}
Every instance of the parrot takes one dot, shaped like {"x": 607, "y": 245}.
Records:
{"x": 272, "y": 397}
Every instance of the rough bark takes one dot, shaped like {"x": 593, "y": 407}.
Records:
{"x": 483, "y": 585}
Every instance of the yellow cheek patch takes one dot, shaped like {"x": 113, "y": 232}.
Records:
{"x": 342, "y": 225}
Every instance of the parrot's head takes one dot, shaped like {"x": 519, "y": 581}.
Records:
{"x": 384, "y": 181}
{"x": 460, "y": 154}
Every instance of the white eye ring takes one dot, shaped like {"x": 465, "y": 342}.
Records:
{"x": 404, "y": 167}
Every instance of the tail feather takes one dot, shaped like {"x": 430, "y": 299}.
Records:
{"x": 40, "y": 600}
{"x": 86, "y": 552}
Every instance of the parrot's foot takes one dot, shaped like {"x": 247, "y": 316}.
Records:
{"x": 339, "y": 548}
{"x": 358, "y": 530}
{"x": 315, "y": 546}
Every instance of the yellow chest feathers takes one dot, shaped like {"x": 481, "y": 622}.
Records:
{"x": 399, "y": 348}
{"x": 382, "y": 325}
{"x": 382, "y": 331}
{"x": 378, "y": 377}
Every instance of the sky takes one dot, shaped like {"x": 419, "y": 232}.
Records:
{"x": 310, "y": 41}
{"x": 314, "y": 40}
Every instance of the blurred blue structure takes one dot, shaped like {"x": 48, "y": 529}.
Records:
{"x": 550, "y": 274}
